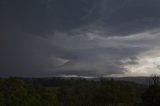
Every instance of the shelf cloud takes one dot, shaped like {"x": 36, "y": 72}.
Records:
{"x": 79, "y": 37}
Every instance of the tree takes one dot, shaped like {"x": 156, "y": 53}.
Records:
{"x": 151, "y": 97}
{"x": 13, "y": 92}
{"x": 154, "y": 80}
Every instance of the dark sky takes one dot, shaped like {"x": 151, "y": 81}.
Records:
{"x": 79, "y": 37}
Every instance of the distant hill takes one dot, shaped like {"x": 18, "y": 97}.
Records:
{"x": 138, "y": 80}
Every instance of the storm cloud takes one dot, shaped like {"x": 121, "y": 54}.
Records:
{"x": 79, "y": 37}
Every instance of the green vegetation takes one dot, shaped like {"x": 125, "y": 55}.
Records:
{"x": 77, "y": 92}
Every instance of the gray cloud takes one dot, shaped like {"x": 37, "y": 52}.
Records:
{"x": 76, "y": 37}
{"x": 118, "y": 17}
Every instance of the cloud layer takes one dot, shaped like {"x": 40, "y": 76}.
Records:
{"x": 79, "y": 37}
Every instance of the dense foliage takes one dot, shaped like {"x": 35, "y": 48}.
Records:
{"x": 76, "y": 92}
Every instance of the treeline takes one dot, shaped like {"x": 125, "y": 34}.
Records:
{"x": 77, "y": 92}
